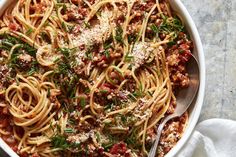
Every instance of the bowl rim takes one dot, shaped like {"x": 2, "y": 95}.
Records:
{"x": 178, "y": 6}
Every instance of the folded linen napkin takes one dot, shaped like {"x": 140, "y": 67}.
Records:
{"x": 212, "y": 138}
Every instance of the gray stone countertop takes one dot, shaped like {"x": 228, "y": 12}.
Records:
{"x": 216, "y": 23}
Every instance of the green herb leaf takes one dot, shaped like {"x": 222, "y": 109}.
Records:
{"x": 59, "y": 142}
{"x": 139, "y": 92}
{"x": 88, "y": 54}
{"x": 171, "y": 43}
{"x": 110, "y": 143}
{"x": 87, "y": 90}
{"x": 107, "y": 53}
{"x": 154, "y": 29}
{"x": 82, "y": 102}
{"x": 107, "y": 45}
{"x": 103, "y": 91}
{"x": 128, "y": 58}
{"x": 98, "y": 137}
{"x": 69, "y": 130}
{"x": 181, "y": 51}
{"x": 17, "y": 81}
{"x": 87, "y": 25}
{"x": 64, "y": 27}
{"x": 64, "y": 8}
{"x": 119, "y": 33}
{"x": 123, "y": 118}
{"x": 29, "y": 31}
{"x": 34, "y": 68}
{"x": 132, "y": 139}
{"x": 63, "y": 68}
{"x": 49, "y": 92}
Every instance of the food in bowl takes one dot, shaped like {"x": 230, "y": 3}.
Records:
{"x": 91, "y": 77}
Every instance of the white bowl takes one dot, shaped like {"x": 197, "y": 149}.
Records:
{"x": 195, "y": 109}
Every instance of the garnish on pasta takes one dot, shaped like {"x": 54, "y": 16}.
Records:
{"x": 91, "y": 77}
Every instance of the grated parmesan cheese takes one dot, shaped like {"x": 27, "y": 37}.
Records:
{"x": 141, "y": 52}
{"x": 79, "y": 55}
{"x": 96, "y": 34}
{"x": 80, "y": 138}
{"x": 88, "y": 37}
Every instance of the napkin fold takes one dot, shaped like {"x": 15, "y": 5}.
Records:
{"x": 212, "y": 138}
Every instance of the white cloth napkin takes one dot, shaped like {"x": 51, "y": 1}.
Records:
{"x": 212, "y": 138}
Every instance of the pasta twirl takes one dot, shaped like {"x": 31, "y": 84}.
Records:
{"x": 91, "y": 77}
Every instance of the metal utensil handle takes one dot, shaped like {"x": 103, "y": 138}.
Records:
{"x": 153, "y": 150}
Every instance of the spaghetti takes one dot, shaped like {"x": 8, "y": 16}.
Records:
{"x": 91, "y": 77}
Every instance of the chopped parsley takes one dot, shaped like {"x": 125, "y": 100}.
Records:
{"x": 138, "y": 92}
{"x": 132, "y": 38}
{"x": 171, "y": 43}
{"x": 69, "y": 130}
{"x": 103, "y": 91}
{"x": 128, "y": 58}
{"x": 63, "y": 68}
{"x": 64, "y": 8}
{"x": 29, "y": 31}
{"x": 9, "y": 41}
{"x": 82, "y": 102}
{"x": 107, "y": 53}
{"x": 181, "y": 51}
{"x": 119, "y": 33}
{"x": 98, "y": 137}
{"x": 60, "y": 142}
{"x": 107, "y": 46}
{"x": 64, "y": 27}
{"x": 87, "y": 25}
{"x": 110, "y": 143}
{"x": 34, "y": 68}
{"x": 88, "y": 54}
{"x": 154, "y": 28}
{"x": 49, "y": 92}
{"x": 171, "y": 25}
{"x": 132, "y": 139}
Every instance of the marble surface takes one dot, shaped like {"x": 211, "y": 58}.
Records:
{"x": 216, "y": 22}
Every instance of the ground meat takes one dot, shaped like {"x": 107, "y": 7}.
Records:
{"x": 38, "y": 7}
{"x": 173, "y": 60}
{"x": 76, "y": 14}
{"x": 180, "y": 79}
{"x": 13, "y": 26}
{"x": 104, "y": 57}
{"x": 79, "y": 138}
{"x": 5, "y": 79}
{"x": 120, "y": 149}
{"x": 5, "y": 124}
{"x": 177, "y": 57}
{"x": 25, "y": 61}
{"x": 172, "y": 106}
{"x": 171, "y": 134}
{"x": 3, "y": 71}
{"x": 35, "y": 155}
